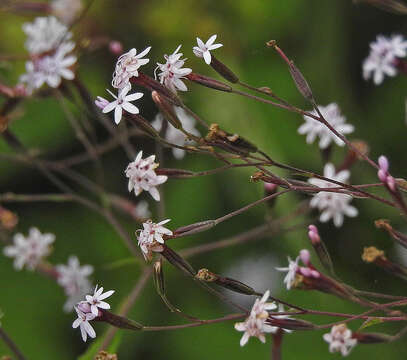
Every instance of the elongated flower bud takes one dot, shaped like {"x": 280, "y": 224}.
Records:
{"x": 320, "y": 248}
{"x": 159, "y": 278}
{"x": 176, "y": 260}
{"x": 118, "y": 321}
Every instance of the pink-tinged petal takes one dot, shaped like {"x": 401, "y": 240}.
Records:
{"x": 89, "y": 329}
{"x": 200, "y": 43}
{"x": 103, "y": 305}
{"x": 240, "y": 326}
{"x": 118, "y": 114}
{"x": 134, "y": 96}
{"x": 106, "y": 294}
{"x": 132, "y": 109}
{"x": 211, "y": 40}
{"x": 154, "y": 193}
{"x": 94, "y": 310}
{"x": 67, "y": 74}
{"x": 123, "y": 92}
{"x": 197, "y": 51}
{"x": 144, "y": 52}
{"x": 89, "y": 298}
{"x": 244, "y": 339}
{"x": 76, "y": 323}
{"x": 216, "y": 46}
{"x": 109, "y": 107}
{"x": 207, "y": 57}
{"x": 83, "y": 333}
{"x": 180, "y": 85}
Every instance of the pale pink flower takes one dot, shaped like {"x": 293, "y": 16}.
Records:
{"x": 204, "y": 49}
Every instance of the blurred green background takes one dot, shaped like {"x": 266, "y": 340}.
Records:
{"x": 328, "y": 41}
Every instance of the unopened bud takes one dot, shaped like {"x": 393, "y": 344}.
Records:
{"x": 116, "y": 47}
{"x": 144, "y": 125}
{"x": 383, "y": 163}
{"x": 209, "y": 82}
{"x": 305, "y": 256}
{"x": 391, "y": 183}
{"x": 223, "y": 70}
{"x": 166, "y": 109}
{"x": 119, "y": 321}
{"x": 84, "y": 306}
{"x": 320, "y": 248}
{"x": 101, "y": 103}
{"x": 291, "y": 324}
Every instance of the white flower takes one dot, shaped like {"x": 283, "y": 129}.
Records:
{"x": 121, "y": 103}
{"x": 127, "y": 66}
{"x": 83, "y": 322}
{"x": 340, "y": 339}
{"x": 141, "y": 210}
{"x": 66, "y": 10}
{"x": 29, "y": 251}
{"x": 383, "y": 56}
{"x": 172, "y": 71}
{"x": 172, "y": 134}
{"x": 45, "y": 34}
{"x": 314, "y": 128}
{"x": 72, "y": 277}
{"x": 331, "y": 204}
{"x": 291, "y": 272}
{"x": 276, "y": 328}
{"x": 151, "y": 237}
{"x": 142, "y": 176}
{"x": 95, "y": 300}
{"x": 50, "y": 68}
{"x": 255, "y": 324}
{"x": 204, "y": 49}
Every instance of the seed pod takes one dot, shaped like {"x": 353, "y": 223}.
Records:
{"x": 223, "y": 70}
{"x": 144, "y": 125}
{"x": 176, "y": 260}
{"x": 194, "y": 228}
{"x": 118, "y": 321}
{"x": 159, "y": 278}
{"x": 208, "y": 82}
{"x": 166, "y": 109}
{"x": 300, "y": 82}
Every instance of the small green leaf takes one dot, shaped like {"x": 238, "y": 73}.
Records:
{"x": 370, "y": 322}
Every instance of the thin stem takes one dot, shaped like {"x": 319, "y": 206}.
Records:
{"x": 11, "y": 344}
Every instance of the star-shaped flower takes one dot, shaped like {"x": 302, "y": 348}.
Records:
{"x": 204, "y": 49}
{"x": 255, "y": 325}
{"x": 291, "y": 271}
{"x": 83, "y": 322}
{"x": 331, "y": 204}
{"x": 121, "y": 103}
{"x": 95, "y": 300}
{"x": 340, "y": 339}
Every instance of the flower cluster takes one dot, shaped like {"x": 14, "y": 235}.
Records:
{"x": 255, "y": 324}
{"x": 142, "y": 176}
{"x": 29, "y": 251}
{"x": 51, "y": 53}
{"x": 172, "y": 134}
{"x": 74, "y": 279}
{"x": 340, "y": 339}
{"x": 332, "y": 205}
{"x": 172, "y": 71}
{"x": 88, "y": 310}
{"x": 314, "y": 128}
{"x": 150, "y": 238}
{"x": 384, "y": 56}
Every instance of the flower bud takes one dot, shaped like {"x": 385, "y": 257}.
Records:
{"x": 383, "y": 163}
{"x": 84, "y": 306}
{"x": 116, "y": 47}
{"x": 144, "y": 125}
{"x": 371, "y": 338}
{"x": 208, "y": 82}
{"x": 194, "y": 228}
{"x": 305, "y": 256}
{"x": 101, "y": 102}
{"x": 104, "y": 355}
{"x": 119, "y": 321}
{"x": 320, "y": 248}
